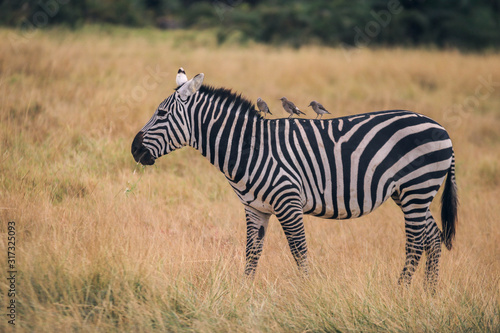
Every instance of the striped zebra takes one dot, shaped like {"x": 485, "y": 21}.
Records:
{"x": 336, "y": 168}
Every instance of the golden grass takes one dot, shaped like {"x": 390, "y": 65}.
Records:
{"x": 103, "y": 245}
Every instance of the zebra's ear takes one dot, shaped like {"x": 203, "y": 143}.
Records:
{"x": 192, "y": 86}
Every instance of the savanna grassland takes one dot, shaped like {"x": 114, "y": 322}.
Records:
{"x": 105, "y": 245}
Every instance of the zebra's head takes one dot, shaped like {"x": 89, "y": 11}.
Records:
{"x": 169, "y": 128}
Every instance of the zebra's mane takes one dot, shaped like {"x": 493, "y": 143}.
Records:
{"x": 231, "y": 97}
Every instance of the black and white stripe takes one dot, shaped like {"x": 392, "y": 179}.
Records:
{"x": 337, "y": 168}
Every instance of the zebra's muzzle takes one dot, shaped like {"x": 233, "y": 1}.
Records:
{"x": 141, "y": 154}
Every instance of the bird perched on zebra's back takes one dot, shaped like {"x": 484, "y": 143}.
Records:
{"x": 319, "y": 109}
{"x": 290, "y": 107}
{"x": 263, "y": 106}
{"x": 181, "y": 77}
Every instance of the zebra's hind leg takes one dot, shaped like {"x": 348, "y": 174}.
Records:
{"x": 256, "y": 229}
{"x": 432, "y": 247}
{"x": 415, "y": 220}
{"x": 291, "y": 219}
{"x": 414, "y": 229}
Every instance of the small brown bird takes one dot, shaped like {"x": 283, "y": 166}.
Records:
{"x": 263, "y": 106}
{"x": 319, "y": 109}
{"x": 290, "y": 107}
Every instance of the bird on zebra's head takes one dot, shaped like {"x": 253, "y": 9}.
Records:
{"x": 263, "y": 106}
{"x": 181, "y": 77}
{"x": 338, "y": 168}
{"x": 290, "y": 107}
{"x": 318, "y": 108}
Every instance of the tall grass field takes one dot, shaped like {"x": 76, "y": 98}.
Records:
{"x": 105, "y": 245}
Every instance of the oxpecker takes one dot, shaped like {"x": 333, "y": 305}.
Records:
{"x": 263, "y": 106}
{"x": 290, "y": 107}
{"x": 319, "y": 109}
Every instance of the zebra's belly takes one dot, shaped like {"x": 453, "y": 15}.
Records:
{"x": 341, "y": 214}
{"x": 341, "y": 207}
{"x": 327, "y": 211}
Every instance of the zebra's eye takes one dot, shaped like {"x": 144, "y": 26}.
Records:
{"x": 162, "y": 113}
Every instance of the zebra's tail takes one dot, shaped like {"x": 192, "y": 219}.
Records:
{"x": 449, "y": 206}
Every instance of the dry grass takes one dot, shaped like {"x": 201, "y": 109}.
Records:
{"x": 102, "y": 247}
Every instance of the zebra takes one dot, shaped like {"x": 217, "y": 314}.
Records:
{"x": 338, "y": 168}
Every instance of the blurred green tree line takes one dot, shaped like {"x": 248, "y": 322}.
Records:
{"x": 465, "y": 24}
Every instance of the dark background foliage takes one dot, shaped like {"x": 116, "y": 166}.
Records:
{"x": 464, "y": 24}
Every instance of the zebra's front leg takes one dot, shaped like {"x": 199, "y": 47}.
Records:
{"x": 291, "y": 221}
{"x": 256, "y": 229}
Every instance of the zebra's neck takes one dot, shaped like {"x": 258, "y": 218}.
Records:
{"x": 223, "y": 125}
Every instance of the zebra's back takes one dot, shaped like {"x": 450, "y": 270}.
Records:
{"x": 346, "y": 167}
